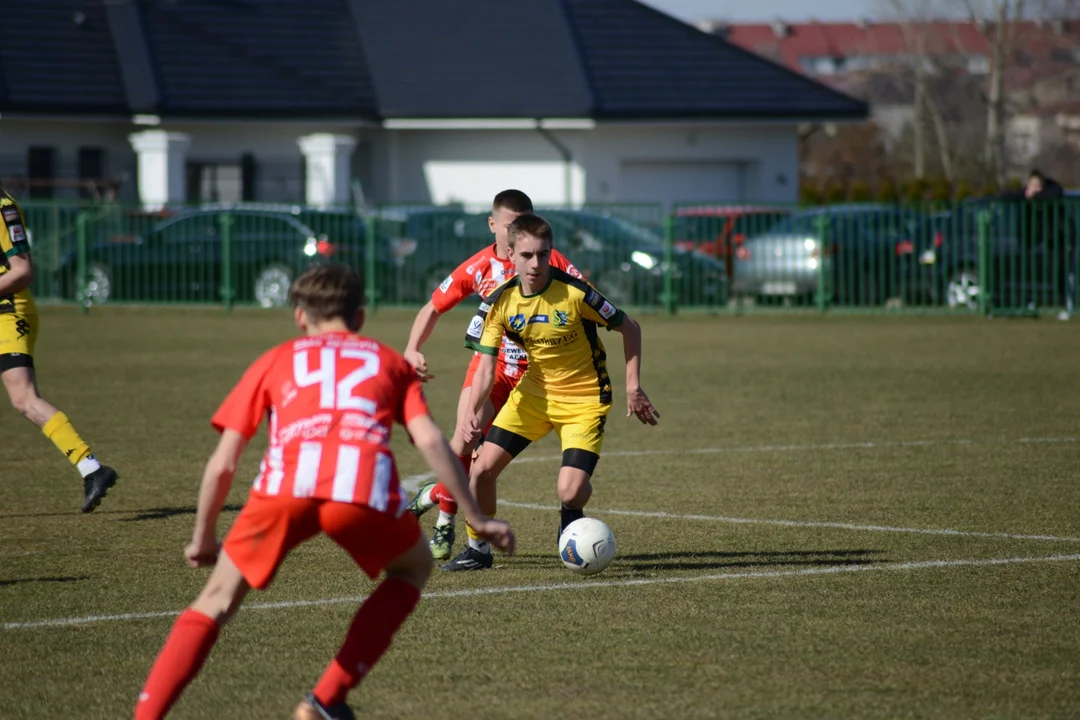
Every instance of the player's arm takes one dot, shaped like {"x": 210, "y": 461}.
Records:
{"x": 19, "y": 275}
{"x": 455, "y": 288}
{"x": 637, "y": 402}
{"x": 433, "y": 447}
{"x": 599, "y": 309}
{"x": 421, "y": 330}
{"x": 485, "y": 336}
{"x": 216, "y": 482}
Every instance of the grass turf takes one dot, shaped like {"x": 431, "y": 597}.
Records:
{"x": 808, "y": 451}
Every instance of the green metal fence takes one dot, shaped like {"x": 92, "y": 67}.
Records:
{"x": 995, "y": 255}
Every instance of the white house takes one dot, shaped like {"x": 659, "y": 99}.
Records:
{"x": 415, "y": 101}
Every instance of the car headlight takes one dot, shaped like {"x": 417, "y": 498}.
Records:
{"x": 644, "y": 259}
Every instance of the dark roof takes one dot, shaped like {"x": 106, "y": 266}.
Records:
{"x": 387, "y": 59}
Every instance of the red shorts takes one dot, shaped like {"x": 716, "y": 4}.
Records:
{"x": 267, "y": 529}
{"x": 504, "y": 382}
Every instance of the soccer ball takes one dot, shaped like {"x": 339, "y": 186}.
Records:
{"x": 587, "y": 546}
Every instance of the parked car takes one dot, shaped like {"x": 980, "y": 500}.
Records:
{"x": 719, "y": 231}
{"x": 861, "y": 254}
{"x": 625, "y": 261}
{"x": 179, "y": 258}
{"x": 1027, "y": 266}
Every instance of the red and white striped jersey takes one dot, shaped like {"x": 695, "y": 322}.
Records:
{"x": 481, "y": 274}
{"x": 331, "y": 400}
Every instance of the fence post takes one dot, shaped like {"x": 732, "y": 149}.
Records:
{"x": 822, "y": 223}
{"x": 80, "y": 262}
{"x": 227, "y": 291}
{"x": 371, "y": 291}
{"x": 669, "y": 264}
{"x": 983, "y": 261}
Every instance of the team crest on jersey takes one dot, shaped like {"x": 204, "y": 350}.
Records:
{"x": 560, "y": 318}
{"x": 517, "y": 323}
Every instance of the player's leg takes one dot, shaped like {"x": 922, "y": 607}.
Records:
{"x": 17, "y": 338}
{"x": 376, "y": 541}
{"x": 260, "y": 539}
{"x": 581, "y": 430}
{"x": 520, "y": 422}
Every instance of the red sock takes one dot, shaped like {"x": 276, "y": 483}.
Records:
{"x": 447, "y": 503}
{"x": 369, "y": 635}
{"x": 192, "y": 637}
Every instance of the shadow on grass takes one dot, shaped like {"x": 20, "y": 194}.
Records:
{"x": 148, "y": 514}
{"x": 62, "y": 579}
{"x": 719, "y": 560}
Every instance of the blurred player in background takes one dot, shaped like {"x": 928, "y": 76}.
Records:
{"x": 18, "y": 334}
{"x": 332, "y": 397}
{"x": 566, "y": 388}
{"x": 478, "y": 275}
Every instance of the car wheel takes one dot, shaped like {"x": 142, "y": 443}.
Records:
{"x": 98, "y": 287}
{"x": 962, "y": 290}
{"x": 616, "y": 286}
{"x": 271, "y": 286}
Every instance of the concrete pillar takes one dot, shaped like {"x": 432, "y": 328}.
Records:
{"x": 328, "y": 160}
{"x": 162, "y": 166}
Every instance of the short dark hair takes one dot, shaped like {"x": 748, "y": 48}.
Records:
{"x": 329, "y": 291}
{"x": 512, "y": 200}
{"x": 529, "y": 224}
{"x": 1036, "y": 175}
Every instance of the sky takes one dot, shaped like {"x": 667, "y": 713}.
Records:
{"x": 766, "y": 10}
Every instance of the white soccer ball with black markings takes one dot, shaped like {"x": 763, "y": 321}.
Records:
{"x": 587, "y": 546}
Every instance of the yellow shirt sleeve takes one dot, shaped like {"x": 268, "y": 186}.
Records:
{"x": 12, "y": 230}
{"x": 486, "y": 329}
{"x": 594, "y": 306}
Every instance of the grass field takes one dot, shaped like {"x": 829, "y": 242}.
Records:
{"x": 842, "y": 517}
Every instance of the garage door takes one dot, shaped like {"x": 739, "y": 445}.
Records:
{"x": 682, "y": 181}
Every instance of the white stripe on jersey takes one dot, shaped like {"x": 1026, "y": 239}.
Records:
{"x": 276, "y": 463}
{"x": 379, "y": 499}
{"x": 348, "y": 466}
{"x": 307, "y": 470}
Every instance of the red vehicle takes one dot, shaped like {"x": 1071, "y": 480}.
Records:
{"x": 720, "y": 230}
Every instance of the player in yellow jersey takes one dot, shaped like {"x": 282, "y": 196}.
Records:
{"x": 555, "y": 317}
{"x": 18, "y": 332}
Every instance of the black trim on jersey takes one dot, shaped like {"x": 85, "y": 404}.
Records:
{"x": 580, "y": 459}
{"x": 10, "y": 361}
{"x": 476, "y": 327}
{"x": 7, "y": 304}
{"x": 593, "y": 297}
{"x": 599, "y": 361}
{"x": 511, "y": 442}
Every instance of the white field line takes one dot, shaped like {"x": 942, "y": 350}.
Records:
{"x": 413, "y": 482}
{"x": 579, "y": 585}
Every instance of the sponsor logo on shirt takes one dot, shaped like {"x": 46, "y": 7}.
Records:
{"x": 18, "y": 235}
{"x": 11, "y": 215}
{"x": 539, "y": 319}
{"x": 446, "y": 284}
{"x": 591, "y": 297}
{"x": 607, "y": 310}
{"x": 484, "y": 307}
{"x": 475, "y": 327}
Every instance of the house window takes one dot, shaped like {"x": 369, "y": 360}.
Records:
{"x": 214, "y": 182}
{"x": 978, "y": 64}
{"x": 41, "y": 171}
{"x": 91, "y": 168}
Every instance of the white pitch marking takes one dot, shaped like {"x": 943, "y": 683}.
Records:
{"x": 476, "y": 592}
{"x": 803, "y": 523}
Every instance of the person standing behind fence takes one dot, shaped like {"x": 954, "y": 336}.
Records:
{"x": 18, "y": 335}
{"x": 1049, "y": 224}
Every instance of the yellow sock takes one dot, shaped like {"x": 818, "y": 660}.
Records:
{"x": 63, "y": 435}
{"x": 475, "y": 541}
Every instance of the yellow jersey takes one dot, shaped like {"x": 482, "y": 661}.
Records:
{"x": 558, "y": 329}
{"x": 13, "y": 241}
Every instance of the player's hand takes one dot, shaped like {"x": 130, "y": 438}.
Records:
{"x": 419, "y": 364}
{"x": 473, "y": 428}
{"x": 637, "y": 403}
{"x": 496, "y": 532}
{"x": 202, "y": 552}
